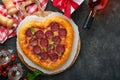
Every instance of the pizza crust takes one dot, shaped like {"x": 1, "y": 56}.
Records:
{"x": 34, "y": 69}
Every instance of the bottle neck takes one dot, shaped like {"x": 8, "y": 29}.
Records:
{"x": 92, "y": 13}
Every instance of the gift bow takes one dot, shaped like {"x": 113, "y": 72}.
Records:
{"x": 65, "y": 5}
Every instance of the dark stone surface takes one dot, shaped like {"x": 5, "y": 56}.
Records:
{"x": 99, "y": 57}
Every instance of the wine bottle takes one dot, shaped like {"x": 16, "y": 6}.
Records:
{"x": 94, "y": 6}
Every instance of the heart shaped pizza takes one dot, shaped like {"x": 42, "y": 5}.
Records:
{"x": 47, "y": 43}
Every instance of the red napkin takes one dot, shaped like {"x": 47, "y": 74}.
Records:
{"x": 5, "y": 32}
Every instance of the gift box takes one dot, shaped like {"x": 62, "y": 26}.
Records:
{"x": 67, "y": 6}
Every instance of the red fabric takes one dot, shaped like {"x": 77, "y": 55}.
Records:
{"x": 6, "y": 33}
{"x": 65, "y": 5}
{"x": 3, "y": 34}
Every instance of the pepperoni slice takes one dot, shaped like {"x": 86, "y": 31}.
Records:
{"x": 33, "y": 42}
{"x": 53, "y": 57}
{"x": 60, "y": 48}
{"x": 57, "y": 39}
{"x": 54, "y": 26}
{"x": 50, "y": 49}
{"x": 49, "y": 34}
{"x": 44, "y": 55}
{"x": 62, "y": 32}
{"x": 39, "y": 34}
{"x": 36, "y": 49}
{"x": 29, "y": 33}
{"x": 43, "y": 42}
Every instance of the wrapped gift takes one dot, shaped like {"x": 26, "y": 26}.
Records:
{"x": 5, "y": 32}
{"x": 67, "y": 6}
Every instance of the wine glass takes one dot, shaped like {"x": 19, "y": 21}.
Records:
{"x": 94, "y": 6}
{"x": 5, "y": 57}
{"x": 15, "y": 73}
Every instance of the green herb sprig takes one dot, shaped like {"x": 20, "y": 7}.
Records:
{"x": 32, "y": 30}
{"x": 32, "y": 76}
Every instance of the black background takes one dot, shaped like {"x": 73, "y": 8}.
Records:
{"x": 99, "y": 57}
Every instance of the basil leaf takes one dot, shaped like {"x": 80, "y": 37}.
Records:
{"x": 52, "y": 46}
{"x": 37, "y": 72}
{"x": 32, "y": 76}
{"x": 60, "y": 54}
{"x": 32, "y": 30}
{"x": 51, "y": 42}
{"x": 39, "y": 56}
{"x": 43, "y": 48}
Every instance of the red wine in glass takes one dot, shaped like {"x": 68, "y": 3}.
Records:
{"x": 94, "y": 6}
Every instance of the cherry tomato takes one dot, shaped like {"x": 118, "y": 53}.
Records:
{"x": 0, "y": 66}
{"x": 7, "y": 68}
{"x": 6, "y": 65}
{"x": 4, "y": 73}
{"x": 13, "y": 57}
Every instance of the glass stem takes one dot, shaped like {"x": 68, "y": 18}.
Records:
{"x": 89, "y": 20}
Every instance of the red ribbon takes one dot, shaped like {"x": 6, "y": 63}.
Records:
{"x": 65, "y": 5}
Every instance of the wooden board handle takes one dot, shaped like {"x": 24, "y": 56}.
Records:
{"x": 23, "y": 6}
